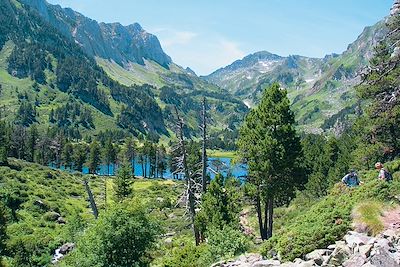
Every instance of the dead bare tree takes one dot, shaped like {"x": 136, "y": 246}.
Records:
{"x": 91, "y": 199}
{"x": 203, "y": 128}
{"x": 182, "y": 166}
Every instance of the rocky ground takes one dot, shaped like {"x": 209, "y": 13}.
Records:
{"x": 355, "y": 250}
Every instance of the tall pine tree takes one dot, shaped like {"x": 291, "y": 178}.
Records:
{"x": 269, "y": 144}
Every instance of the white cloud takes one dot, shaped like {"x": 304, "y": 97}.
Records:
{"x": 203, "y": 52}
{"x": 170, "y": 37}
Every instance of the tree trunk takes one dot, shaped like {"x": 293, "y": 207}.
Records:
{"x": 204, "y": 152}
{"x": 91, "y": 199}
{"x": 189, "y": 181}
{"x": 270, "y": 216}
{"x": 259, "y": 216}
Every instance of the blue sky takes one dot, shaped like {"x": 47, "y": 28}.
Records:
{"x": 209, "y": 34}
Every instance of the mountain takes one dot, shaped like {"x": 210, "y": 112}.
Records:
{"x": 59, "y": 68}
{"x": 122, "y": 44}
{"x": 318, "y": 87}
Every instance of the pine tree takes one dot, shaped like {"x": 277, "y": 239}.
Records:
{"x": 269, "y": 144}
{"x": 130, "y": 153}
{"x": 67, "y": 155}
{"x": 32, "y": 142}
{"x": 4, "y": 143}
{"x": 79, "y": 156}
{"x": 110, "y": 154}
{"x": 123, "y": 182}
{"x": 94, "y": 157}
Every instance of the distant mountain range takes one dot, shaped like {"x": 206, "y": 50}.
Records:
{"x": 318, "y": 87}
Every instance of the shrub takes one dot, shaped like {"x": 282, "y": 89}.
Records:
{"x": 121, "y": 237}
{"x": 190, "y": 256}
{"x": 367, "y": 217}
{"x": 227, "y": 242}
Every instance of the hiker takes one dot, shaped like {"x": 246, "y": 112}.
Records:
{"x": 383, "y": 173}
{"x": 351, "y": 179}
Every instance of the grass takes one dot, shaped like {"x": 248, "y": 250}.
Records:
{"x": 367, "y": 216}
{"x": 63, "y": 192}
{"x": 220, "y": 153}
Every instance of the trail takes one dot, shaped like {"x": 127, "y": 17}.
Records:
{"x": 244, "y": 222}
{"x": 391, "y": 219}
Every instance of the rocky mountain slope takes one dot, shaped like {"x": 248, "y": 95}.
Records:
{"x": 122, "y": 44}
{"x": 318, "y": 87}
{"x": 50, "y": 61}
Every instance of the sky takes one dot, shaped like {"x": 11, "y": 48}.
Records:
{"x": 208, "y": 34}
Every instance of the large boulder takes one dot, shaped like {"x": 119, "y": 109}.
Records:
{"x": 266, "y": 263}
{"x": 382, "y": 258}
{"x": 354, "y": 239}
{"x": 355, "y": 261}
{"x": 66, "y": 248}
{"x": 341, "y": 253}
{"x": 365, "y": 250}
{"x": 318, "y": 255}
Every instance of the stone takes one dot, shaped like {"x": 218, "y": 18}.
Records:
{"x": 390, "y": 235}
{"x": 52, "y": 216}
{"x": 355, "y": 261}
{"x": 61, "y": 220}
{"x": 365, "y": 250}
{"x": 341, "y": 253}
{"x": 41, "y": 204}
{"x": 354, "y": 239}
{"x": 266, "y": 263}
{"x": 368, "y": 264}
{"x": 317, "y": 255}
{"x": 66, "y": 248}
{"x": 383, "y": 243}
{"x": 382, "y": 258}
{"x": 310, "y": 263}
{"x": 332, "y": 247}
{"x": 168, "y": 241}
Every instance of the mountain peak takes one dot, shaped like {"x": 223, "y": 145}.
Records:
{"x": 111, "y": 41}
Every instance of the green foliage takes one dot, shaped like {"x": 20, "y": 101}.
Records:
{"x": 123, "y": 182}
{"x": 3, "y": 234}
{"x": 367, "y": 216}
{"x": 321, "y": 223}
{"x": 94, "y": 157}
{"x": 226, "y": 242}
{"x": 190, "y": 256}
{"x": 221, "y": 205}
{"x": 120, "y": 237}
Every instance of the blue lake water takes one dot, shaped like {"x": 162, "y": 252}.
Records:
{"x": 215, "y": 165}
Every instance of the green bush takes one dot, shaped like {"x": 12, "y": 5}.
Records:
{"x": 189, "y": 256}
{"x": 227, "y": 242}
{"x": 329, "y": 219}
{"x": 120, "y": 237}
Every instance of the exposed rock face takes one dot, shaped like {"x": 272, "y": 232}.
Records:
{"x": 113, "y": 41}
{"x": 395, "y": 10}
{"x": 357, "y": 250}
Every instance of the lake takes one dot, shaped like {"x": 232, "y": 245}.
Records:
{"x": 215, "y": 165}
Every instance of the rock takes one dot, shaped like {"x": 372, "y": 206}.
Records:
{"x": 332, "y": 247}
{"x": 61, "y": 220}
{"x": 354, "y": 239}
{"x": 383, "y": 243}
{"x": 266, "y": 263}
{"x": 365, "y": 250}
{"x": 169, "y": 234}
{"x": 317, "y": 255}
{"x": 168, "y": 241}
{"x": 368, "y": 264}
{"x": 341, "y": 253}
{"x": 310, "y": 263}
{"x": 66, "y": 248}
{"x": 41, "y": 204}
{"x": 382, "y": 258}
{"x": 355, "y": 261}
{"x": 160, "y": 199}
{"x": 51, "y": 216}
{"x": 390, "y": 235}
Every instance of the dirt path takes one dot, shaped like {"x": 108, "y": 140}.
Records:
{"x": 244, "y": 222}
{"x": 391, "y": 219}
